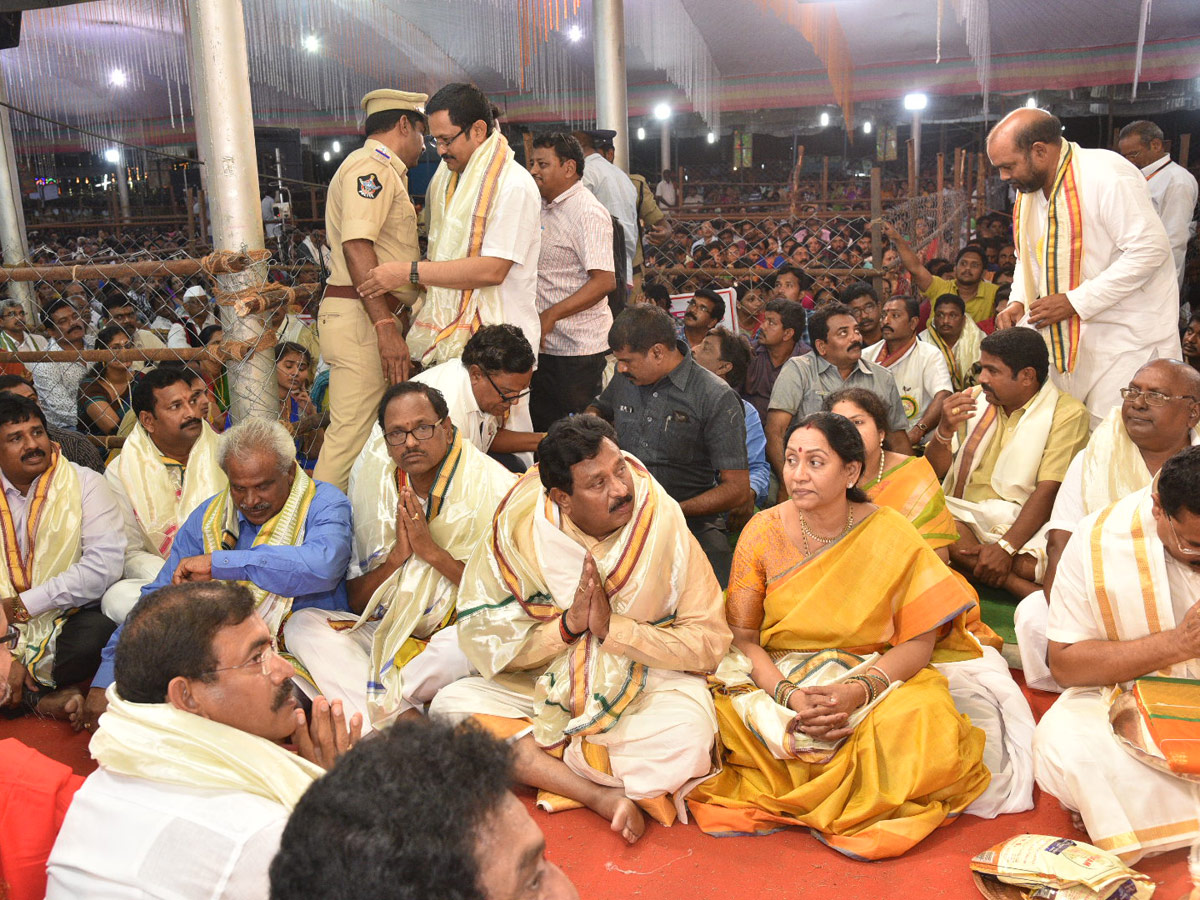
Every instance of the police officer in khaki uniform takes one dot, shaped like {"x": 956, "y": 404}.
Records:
{"x": 370, "y": 220}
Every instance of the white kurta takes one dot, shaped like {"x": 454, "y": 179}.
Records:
{"x": 1173, "y": 192}
{"x": 134, "y": 838}
{"x": 1128, "y": 301}
{"x": 454, "y": 381}
{"x": 1127, "y": 807}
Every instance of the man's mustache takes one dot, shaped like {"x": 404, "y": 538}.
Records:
{"x": 618, "y": 504}
{"x": 32, "y": 455}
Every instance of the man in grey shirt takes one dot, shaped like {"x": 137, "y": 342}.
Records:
{"x": 805, "y": 381}
{"x": 683, "y": 422}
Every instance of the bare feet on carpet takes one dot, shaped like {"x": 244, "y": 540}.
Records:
{"x": 63, "y": 704}
{"x": 626, "y": 818}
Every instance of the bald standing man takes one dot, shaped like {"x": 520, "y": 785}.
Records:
{"x": 1100, "y": 284}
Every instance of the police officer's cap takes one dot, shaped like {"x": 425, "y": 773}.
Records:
{"x": 385, "y": 98}
{"x": 602, "y": 138}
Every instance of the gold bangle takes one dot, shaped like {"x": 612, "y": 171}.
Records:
{"x": 20, "y": 613}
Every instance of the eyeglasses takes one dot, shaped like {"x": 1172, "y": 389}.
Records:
{"x": 1152, "y": 398}
{"x": 444, "y": 143}
{"x": 1186, "y": 551}
{"x": 260, "y": 660}
{"x": 504, "y": 395}
{"x": 421, "y": 433}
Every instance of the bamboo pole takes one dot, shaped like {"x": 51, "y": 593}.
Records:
{"x": 876, "y": 231}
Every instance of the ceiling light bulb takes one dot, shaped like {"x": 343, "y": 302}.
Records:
{"x": 866, "y": 127}
{"x": 326, "y": 156}
{"x": 112, "y": 155}
{"x": 915, "y": 101}
{"x": 311, "y": 43}
{"x": 662, "y": 111}
{"x": 575, "y": 34}
{"x": 824, "y": 119}
{"x": 641, "y": 133}
{"x": 712, "y": 137}
{"x": 337, "y": 146}
{"x": 1031, "y": 103}
{"x": 117, "y": 78}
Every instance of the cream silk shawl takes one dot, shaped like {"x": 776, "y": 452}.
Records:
{"x": 53, "y": 545}
{"x": 460, "y": 206}
{"x": 1015, "y": 474}
{"x": 416, "y": 601}
{"x": 527, "y": 575}
{"x": 161, "y": 743}
{"x": 1125, "y": 570}
{"x": 147, "y": 479}
{"x": 1112, "y": 464}
{"x": 285, "y": 529}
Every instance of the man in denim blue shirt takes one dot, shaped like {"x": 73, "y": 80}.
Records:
{"x": 259, "y": 458}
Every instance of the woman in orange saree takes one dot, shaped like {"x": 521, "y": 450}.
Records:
{"x": 830, "y": 714}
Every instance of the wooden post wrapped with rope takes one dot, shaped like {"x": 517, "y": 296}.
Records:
{"x": 240, "y": 278}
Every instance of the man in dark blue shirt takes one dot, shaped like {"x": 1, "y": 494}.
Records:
{"x": 683, "y": 422}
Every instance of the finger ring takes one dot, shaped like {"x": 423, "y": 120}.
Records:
{"x": 415, "y": 517}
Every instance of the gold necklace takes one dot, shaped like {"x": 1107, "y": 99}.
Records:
{"x": 807, "y": 532}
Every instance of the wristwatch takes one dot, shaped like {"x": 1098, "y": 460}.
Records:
{"x": 413, "y": 277}
{"x": 922, "y": 427}
{"x": 1006, "y": 547}
{"x": 10, "y": 637}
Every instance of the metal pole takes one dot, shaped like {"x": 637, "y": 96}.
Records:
{"x": 220, "y": 69}
{"x": 665, "y": 144}
{"x": 122, "y": 176}
{"x": 916, "y": 143}
{"x": 612, "y": 105}
{"x": 12, "y": 217}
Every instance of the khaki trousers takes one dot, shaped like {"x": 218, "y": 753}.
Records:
{"x": 356, "y": 385}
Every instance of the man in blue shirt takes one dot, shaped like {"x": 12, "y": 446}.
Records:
{"x": 298, "y": 560}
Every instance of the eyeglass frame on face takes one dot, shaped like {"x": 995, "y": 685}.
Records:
{"x": 505, "y": 397}
{"x": 1189, "y": 552}
{"x": 415, "y": 432}
{"x": 264, "y": 657}
{"x": 1133, "y": 395}
{"x": 444, "y": 143}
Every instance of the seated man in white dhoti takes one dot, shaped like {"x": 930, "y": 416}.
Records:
{"x": 1124, "y": 606}
{"x": 193, "y": 789}
{"x": 283, "y": 535}
{"x": 62, "y": 546}
{"x": 422, "y": 499}
{"x": 167, "y": 467}
{"x": 1156, "y": 419}
{"x": 590, "y": 612}
{"x": 1002, "y": 461}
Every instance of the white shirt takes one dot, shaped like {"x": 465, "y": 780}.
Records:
{"x": 57, "y": 385}
{"x": 1173, "y": 192}
{"x": 102, "y": 536}
{"x": 665, "y": 191}
{"x": 920, "y": 374}
{"x": 514, "y": 232}
{"x": 577, "y": 238}
{"x": 133, "y": 838}
{"x": 31, "y": 342}
{"x": 1128, "y": 300}
{"x": 1071, "y": 612}
{"x": 454, "y": 381}
{"x": 614, "y": 189}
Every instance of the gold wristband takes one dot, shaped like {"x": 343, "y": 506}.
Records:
{"x": 20, "y": 613}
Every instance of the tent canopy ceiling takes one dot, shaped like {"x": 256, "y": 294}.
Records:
{"x": 744, "y": 49}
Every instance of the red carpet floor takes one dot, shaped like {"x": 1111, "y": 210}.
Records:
{"x": 681, "y": 862}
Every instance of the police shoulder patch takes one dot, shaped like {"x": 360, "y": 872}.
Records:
{"x": 369, "y": 186}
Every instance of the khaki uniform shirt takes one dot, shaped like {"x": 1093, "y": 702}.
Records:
{"x": 368, "y": 200}
{"x": 649, "y": 214}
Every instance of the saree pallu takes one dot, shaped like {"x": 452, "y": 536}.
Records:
{"x": 913, "y": 490}
{"x": 912, "y": 763}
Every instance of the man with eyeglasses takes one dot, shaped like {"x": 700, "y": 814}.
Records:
{"x": 863, "y": 302}
{"x": 423, "y": 498}
{"x": 370, "y": 220}
{"x": 483, "y": 386}
{"x": 1124, "y": 607}
{"x": 484, "y": 235}
{"x": 15, "y": 336}
{"x": 194, "y": 787}
{"x": 1156, "y": 419}
{"x": 284, "y": 535}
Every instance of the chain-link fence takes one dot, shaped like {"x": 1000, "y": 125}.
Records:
{"x": 88, "y": 313}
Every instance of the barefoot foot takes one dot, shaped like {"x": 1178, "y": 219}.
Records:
{"x": 624, "y": 815}
{"x": 64, "y": 704}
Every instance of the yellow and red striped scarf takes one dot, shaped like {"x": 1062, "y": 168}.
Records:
{"x": 1061, "y": 262}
